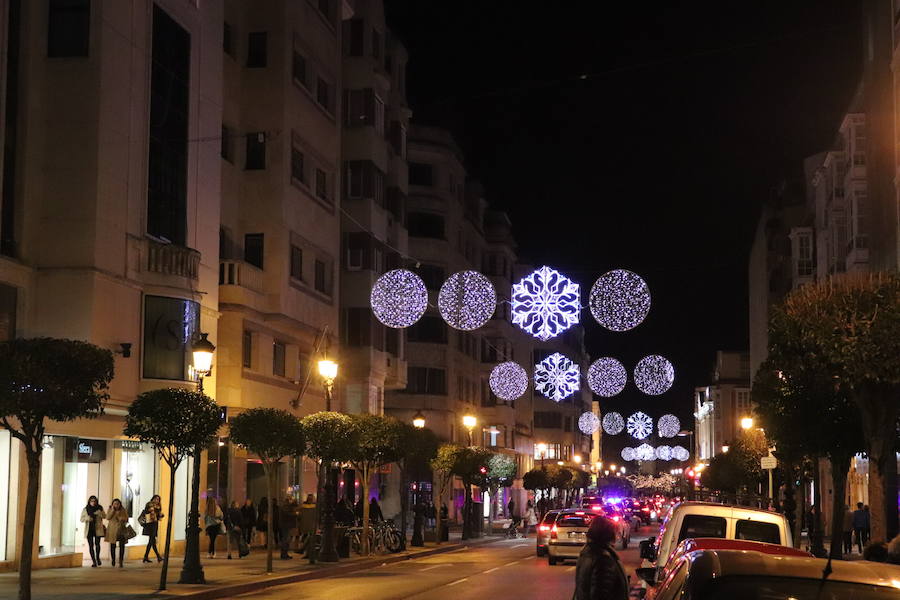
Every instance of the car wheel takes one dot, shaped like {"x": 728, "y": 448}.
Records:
{"x": 551, "y": 560}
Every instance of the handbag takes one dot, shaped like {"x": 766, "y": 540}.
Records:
{"x": 128, "y": 532}
{"x": 222, "y": 527}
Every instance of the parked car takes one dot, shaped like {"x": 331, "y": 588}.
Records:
{"x": 568, "y": 534}
{"x": 623, "y": 525}
{"x": 742, "y": 575}
{"x": 543, "y": 531}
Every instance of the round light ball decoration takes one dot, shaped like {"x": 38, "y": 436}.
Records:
{"x": 588, "y": 423}
{"x": 607, "y": 377}
{"x": 654, "y": 375}
{"x": 613, "y": 423}
{"x": 680, "y": 453}
{"x": 557, "y": 377}
{"x": 664, "y": 452}
{"x": 545, "y": 303}
{"x": 399, "y": 298}
{"x": 640, "y": 425}
{"x": 620, "y": 300}
{"x": 508, "y": 381}
{"x": 645, "y": 452}
{"x": 668, "y": 426}
{"x": 627, "y": 453}
{"x": 467, "y": 300}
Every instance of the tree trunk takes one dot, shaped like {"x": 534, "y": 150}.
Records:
{"x": 439, "y": 521}
{"x": 492, "y": 510}
{"x": 839, "y": 467}
{"x": 878, "y": 406}
{"x": 818, "y": 548}
{"x": 192, "y": 570}
{"x": 364, "y": 475}
{"x": 270, "y": 518}
{"x": 27, "y": 546}
{"x": 467, "y": 512}
{"x": 404, "y": 501}
{"x": 165, "y": 567}
{"x": 329, "y": 548}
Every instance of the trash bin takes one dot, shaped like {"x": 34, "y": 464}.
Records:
{"x": 343, "y": 542}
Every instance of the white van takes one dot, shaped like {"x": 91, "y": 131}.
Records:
{"x": 709, "y": 520}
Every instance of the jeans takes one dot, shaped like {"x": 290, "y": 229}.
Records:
{"x": 235, "y": 538}
{"x": 248, "y": 533}
{"x": 848, "y": 542}
{"x": 151, "y": 545}
{"x": 93, "y": 542}
{"x": 213, "y": 533}
{"x": 860, "y": 537}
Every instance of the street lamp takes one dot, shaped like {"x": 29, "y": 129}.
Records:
{"x": 328, "y": 370}
{"x": 577, "y": 459}
{"x": 542, "y": 452}
{"x": 203, "y": 350}
{"x": 725, "y": 448}
{"x": 612, "y": 468}
{"x": 622, "y": 469}
{"x": 747, "y": 423}
{"x": 469, "y": 422}
{"x": 418, "y": 420}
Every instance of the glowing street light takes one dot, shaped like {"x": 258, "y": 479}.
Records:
{"x": 469, "y": 422}
{"x": 418, "y": 420}
{"x": 725, "y": 448}
{"x": 577, "y": 459}
{"x": 747, "y": 423}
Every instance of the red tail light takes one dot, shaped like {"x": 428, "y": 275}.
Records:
{"x": 553, "y": 532}
{"x": 596, "y": 507}
{"x": 616, "y": 518}
{"x": 646, "y": 509}
{"x": 544, "y": 527}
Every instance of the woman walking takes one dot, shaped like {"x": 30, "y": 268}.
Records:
{"x": 248, "y": 520}
{"x": 233, "y": 524}
{"x": 530, "y": 518}
{"x": 115, "y": 531}
{"x": 262, "y": 520}
{"x": 93, "y": 516}
{"x": 213, "y": 523}
{"x": 599, "y": 574}
{"x": 149, "y": 521}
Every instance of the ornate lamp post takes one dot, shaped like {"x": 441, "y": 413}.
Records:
{"x": 542, "y": 451}
{"x": 469, "y": 422}
{"x": 418, "y": 420}
{"x": 328, "y": 370}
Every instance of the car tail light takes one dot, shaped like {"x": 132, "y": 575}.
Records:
{"x": 544, "y": 527}
{"x": 646, "y": 509}
{"x": 553, "y": 532}
{"x": 616, "y": 518}
{"x": 596, "y": 507}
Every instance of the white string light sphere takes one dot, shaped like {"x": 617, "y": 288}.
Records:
{"x": 613, "y": 423}
{"x": 680, "y": 453}
{"x": 640, "y": 425}
{"x": 654, "y": 375}
{"x": 467, "y": 300}
{"x": 545, "y": 303}
{"x": 620, "y": 300}
{"x": 664, "y": 452}
{"x": 557, "y": 377}
{"x": 508, "y": 381}
{"x": 399, "y": 298}
{"x": 628, "y": 453}
{"x": 668, "y": 426}
{"x": 645, "y": 452}
{"x": 607, "y": 377}
{"x": 588, "y": 423}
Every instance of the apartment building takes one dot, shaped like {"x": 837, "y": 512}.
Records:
{"x": 109, "y": 218}
{"x": 720, "y": 406}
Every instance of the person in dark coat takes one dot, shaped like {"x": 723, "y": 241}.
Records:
{"x": 599, "y": 574}
{"x": 234, "y": 520}
{"x": 375, "y": 514}
{"x": 248, "y": 520}
{"x": 149, "y": 521}
{"x": 343, "y": 513}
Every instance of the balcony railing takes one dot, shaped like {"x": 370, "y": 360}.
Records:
{"x": 170, "y": 259}
{"x": 236, "y": 272}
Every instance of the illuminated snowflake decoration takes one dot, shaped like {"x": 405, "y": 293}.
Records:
{"x": 545, "y": 303}
{"x": 467, "y": 300}
{"x": 557, "y": 377}
{"x": 607, "y": 377}
{"x": 628, "y": 453}
{"x": 645, "y": 452}
{"x": 508, "y": 381}
{"x": 620, "y": 300}
{"x": 399, "y": 298}
{"x": 668, "y": 426}
{"x": 588, "y": 423}
{"x": 664, "y": 452}
{"x": 680, "y": 453}
{"x": 654, "y": 375}
{"x": 640, "y": 425}
{"x": 613, "y": 423}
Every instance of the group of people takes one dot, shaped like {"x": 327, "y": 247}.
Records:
{"x": 856, "y": 526}
{"x": 528, "y": 520}
{"x": 112, "y": 526}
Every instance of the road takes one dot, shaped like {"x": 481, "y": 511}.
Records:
{"x": 499, "y": 570}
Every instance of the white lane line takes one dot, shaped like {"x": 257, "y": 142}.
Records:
{"x": 520, "y": 545}
{"x": 435, "y": 567}
{"x": 570, "y": 569}
{"x": 511, "y": 563}
{"x": 458, "y": 581}
{"x": 491, "y": 570}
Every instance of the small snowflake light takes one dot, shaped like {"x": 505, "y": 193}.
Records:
{"x": 627, "y": 453}
{"x": 508, "y": 381}
{"x": 588, "y": 423}
{"x": 467, "y": 300}
{"x": 668, "y": 426}
{"x": 654, "y": 375}
{"x": 664, "y": 452}
{"x": 399, "y": 298}
{"x": 557, "y": 377}
{"x": 545, "y": 303}
{"x": 680, "y": 453}
{"x": 645, "y": 452}
{"x": 613, "y": 423}
{"x": 620, "y": 300}
{"x": 607, "y": 377}
{"x": 640, "y": 425}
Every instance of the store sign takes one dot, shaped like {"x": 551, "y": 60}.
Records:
{"x": 85, "y": 451}
{"x": 131, "y": 446}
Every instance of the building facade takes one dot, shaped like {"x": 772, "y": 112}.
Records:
{"x": 720, "y": 406}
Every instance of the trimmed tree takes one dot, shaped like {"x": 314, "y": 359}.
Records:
{"x": 418, "y": 447}
{"x": 271, "y": 434}
{"x": 46, "y": 379}
{"x": 501, "y": 471}
{"x": 470, "y": 466}
{"x": 176, "y": 422}
{"x": 442, "y": 466}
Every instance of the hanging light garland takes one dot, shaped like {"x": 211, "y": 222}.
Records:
{"x": 627, "y": 453}
{"x": 613, "y": 423}
{"x": 620, "y": 300}
{"x": 607, "y": 377}
{"x": 467, "y": 300}
{"x": 654, "y": 375}
{"x": 545, "y": 303}
{"x": 588, "y": 423}
{"x": 645, "y": 452}
{"x": 399, "y": 298}
{"x": 668, "y": 426}
{"x": 680, "y": 453}
{"x": 557, "y": 377}
{"x": 640, "y": 425}
{"x": 508, "y": 381}
{"x": 664, "y": 452}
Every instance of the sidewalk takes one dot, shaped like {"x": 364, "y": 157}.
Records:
{"x": 224, "y": 577}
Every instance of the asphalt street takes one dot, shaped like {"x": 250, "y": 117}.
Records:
{"x": 507, "y": 569}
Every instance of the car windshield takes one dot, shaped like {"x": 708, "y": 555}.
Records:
{"x": 757, "y": 531}
{"x": 695, "y": 526}
{"x": 757, "y": 587}
{"x": 575, "y": 520}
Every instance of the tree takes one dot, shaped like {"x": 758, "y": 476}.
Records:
{"x": 377, "y": 443}
{"x": 329, "y": 439}
{"x": 418, "y": 447}
{"x": 501, "y": 471}
{"x": 851, "y": 324}
{"x": 443, "y": 465}
{"x": 271, "y": 434}
{"x": 45, "y": 379}
{"x": 559, "y": 478}
{"x": 176, "y": 422}
{"x": 470, "y": 466}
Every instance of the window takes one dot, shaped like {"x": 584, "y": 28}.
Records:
{"x": 392, "y": 341}
{"x": 68, "y": 27}
{"x": 425, "y": 225}
{"x": 421, "y": 174}
{"x": 257, "y": 55}
{"x": 322, "y": 185}
{"x": 170, "y": 326}
{"x": 354, "y": 33}
{"x": 423, "y": 380}
{"x": 322, "y": 278}
{"x": 247, "y": 349}
{"x": 432, "y": 275}
{"x": 278, "y": 349}
{"x": 253, "y": 249}
{"x": 298, "y": 68}
{"x": 256, "y": 151}
{"x": 364, "y": 180}
{"x": 358, "y": 329}
{"x": 757, "y": 531}
{"x": 11, "y": 127}
{"x": 297, "y": 170}
{"x": 695, "y": 526}
{"x": 805, "y": 256}
{"x": 228, "y": 40}
{"x": 323, "y": 94}
{"x": 296, "y": 262}
{"x": 364, "y": 108}
{"x": 429, "y": 329}
{"x": 547, "y": 419}
{"x": 227, "y": 150}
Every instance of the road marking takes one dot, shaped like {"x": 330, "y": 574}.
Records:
{"x": 511, "y": 563}
{"x": 520, "y": 545}
{"x": 436, "y": 567}
{"x": 490, "y": 570}
{"x": 570, "y": 569}
{"x": 458, "y": 581}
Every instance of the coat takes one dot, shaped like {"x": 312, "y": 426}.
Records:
{"x": 599, "y": 575}
{"x": 151, "y": 521}
{"x": 248, "y": 514}
{"x": 117, "y": 520}
{"x": 530, "y": 517}
{"x": 99, "y": 529}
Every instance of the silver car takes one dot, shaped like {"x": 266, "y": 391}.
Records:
{"x": 568, "y": 534}
{"x": 543, "y": 531}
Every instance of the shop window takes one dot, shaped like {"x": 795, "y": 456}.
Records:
{"x": 170, "y": 326}
{"x": 136, "y": 482}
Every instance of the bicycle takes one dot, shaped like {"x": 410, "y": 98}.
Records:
{"x": 387, "y": 536}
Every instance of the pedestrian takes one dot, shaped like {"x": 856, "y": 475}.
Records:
{"x": 510, "y": 508}
{"x": 234, "y": 520}
{"x": 92, "y": 515}
{"x": 530, "y": 518}
{"x": 848, "y": 530}
{"x": 343, "y": 513}
{"x": 375, "y": 513}
{"x": 859, "y": 526}
{"x": 287, "y": 525}
{"x": 262, "y": 520}
{"x": 248, "y": 520}
{"x": 275, "y": 514}
{"x": 117, "y": 520}
{"x": 306, "y": 524}
{"x": 358, "y": 510}
{"x": 876, "y": 552}
{"x": 430, "y": 514}
{"x": 213, "y": 521}
{"x": 599, "y": 573}
{"x": 149, "y": 521}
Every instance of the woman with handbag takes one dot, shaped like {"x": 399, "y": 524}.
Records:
{"x": 213, "y": 520}
{"x": 149, "y": 521}
{"x": 93, "y": 516}
{"x": 116, "y": 530}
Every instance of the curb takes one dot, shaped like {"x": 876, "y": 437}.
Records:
{"x": 259, "y": 584}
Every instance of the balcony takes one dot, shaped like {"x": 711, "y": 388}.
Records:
{"x": 169, "y": 259}
{"x": 239, "y": 273}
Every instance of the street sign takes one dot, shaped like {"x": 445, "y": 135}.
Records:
{"x": 768, "y": 462}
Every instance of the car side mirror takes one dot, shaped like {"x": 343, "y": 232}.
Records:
{"x": 647, "y": 574}
{"x": 648, "y": 550}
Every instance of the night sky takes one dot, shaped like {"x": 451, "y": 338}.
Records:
{"x": 657, "y": 161}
